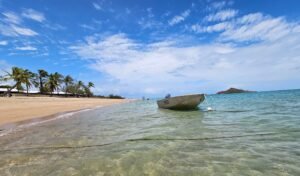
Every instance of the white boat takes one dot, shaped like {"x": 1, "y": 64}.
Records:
{"x": 185, "y": 102}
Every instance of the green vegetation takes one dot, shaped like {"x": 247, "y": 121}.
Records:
{"x": 42, "y": 78}
{"x": 45, "y": 82}
{"x": 111, "y": 96}
{"x": 115, "y": 96}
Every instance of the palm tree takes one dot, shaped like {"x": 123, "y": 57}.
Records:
{"x": 72, "y": 89}
{"x": 80, "y": 84}
{"x": 16, "y": 75}
{"x": 19, "y": 87}
{"x": 54, "y": 82}
{"x": 79, "y": 87}
{"x": 28, "y": 79}
{"x": 90, "y": 84}
{"x": 45, "y": 82}
{"x": 59, "y": 78}
{"x": 68, "y": 80}
{"x": 87, "y": 89}
{"x": 42, "y": 75}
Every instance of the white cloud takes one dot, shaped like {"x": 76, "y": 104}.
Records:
{"x": 167, "y": 66}
{"x": 150, "y": 13}
{"x": 179, "y": 18}
{"x": 97, "y": 6}
{"x": 11, "y": 25}
{"x": 12, "y": 17}
{"x": 23, "y": 31}
{"x": 85, "y": 26}
{"x": 14, "y": 31}
{"x": 3, "y": 42}
{"x": 54, "y": 26}
{"x": 166, "y": 14}
{"x": 219, "y": 5}
{"x": 128, "y": 11}
{"x": 34, "y": 15}
{"x": 221, "y": 15}
{"x": 149, "y": 23}
{"x": 251, "y": 18}
{"x": 122, "y": 45}
{"x": 213, "y": 28}
{"x": 7, "y": 30}
{"x": 251, "y": 27}
{"x": 256, "y": 27}
{"x": 26, "y": 48}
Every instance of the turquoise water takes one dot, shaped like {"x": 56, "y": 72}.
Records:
{"x": 245, "y": 134}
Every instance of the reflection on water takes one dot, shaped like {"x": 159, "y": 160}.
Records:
{"x": 245, "y": 134}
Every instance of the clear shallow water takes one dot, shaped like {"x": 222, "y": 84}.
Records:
{"x": 245, "y": 134}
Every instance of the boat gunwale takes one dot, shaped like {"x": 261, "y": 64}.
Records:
{"x": 181, "y": 97}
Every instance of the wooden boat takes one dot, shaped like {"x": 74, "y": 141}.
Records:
{"x": 185, "y": 102}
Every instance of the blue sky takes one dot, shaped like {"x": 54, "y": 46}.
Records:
{"x": 151, "y": 48}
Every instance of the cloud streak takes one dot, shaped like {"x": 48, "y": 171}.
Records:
{"x": 11, "y": 25}
{"x": 3, "y": 42}
{"x": 11, "y": 17}
{"x": 221, "y": 15}
{"x": 33, "y": 15}
{"x": 179, "y": 18}
{"x": 26, "y": 48}
{"x": 23, "y": 31}
{"x": 254, "y": 27}
{"x": 257, "y": 27}
{"x": 97, "y": 6}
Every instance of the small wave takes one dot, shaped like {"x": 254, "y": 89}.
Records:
{"x": 234, "y": 111}
{"x": 208, "y": 109}
{"x": 4, "y": 132}
{"x": 226, "y": 111}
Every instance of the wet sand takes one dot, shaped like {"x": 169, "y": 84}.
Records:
{"x": 18, "y": 109}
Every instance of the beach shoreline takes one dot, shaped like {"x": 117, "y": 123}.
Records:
{"x": 16, "y": 111}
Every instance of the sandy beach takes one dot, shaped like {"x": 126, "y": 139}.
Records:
{"x": 17, "y": 109}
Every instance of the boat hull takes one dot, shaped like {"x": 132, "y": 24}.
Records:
{"x": 186, "y": 102}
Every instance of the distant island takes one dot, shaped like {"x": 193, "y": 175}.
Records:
{"x": 233, "y": 90}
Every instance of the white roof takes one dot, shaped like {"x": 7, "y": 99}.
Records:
{"x": 15, "y": 90}
{"x": 4, "y": 90}
{"x": 31, "y": 91}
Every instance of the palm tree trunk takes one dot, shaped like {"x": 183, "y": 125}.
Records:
{"x": 27, "y": 90}
{"x": 9, "y": 90}
{"x": 41, "y": 86}
{"x": 66, "y": 90}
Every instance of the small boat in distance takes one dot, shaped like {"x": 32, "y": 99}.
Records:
{"x": 185, "y": 102}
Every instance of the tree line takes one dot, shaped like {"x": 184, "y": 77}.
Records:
{"x": 45, "y": 82}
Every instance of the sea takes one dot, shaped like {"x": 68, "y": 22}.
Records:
{"x": 234, "y": 134}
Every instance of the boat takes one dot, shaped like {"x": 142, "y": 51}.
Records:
{"x": 185, "y": 102}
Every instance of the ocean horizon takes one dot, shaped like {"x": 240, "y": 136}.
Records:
{"x": 244, "y": 134}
